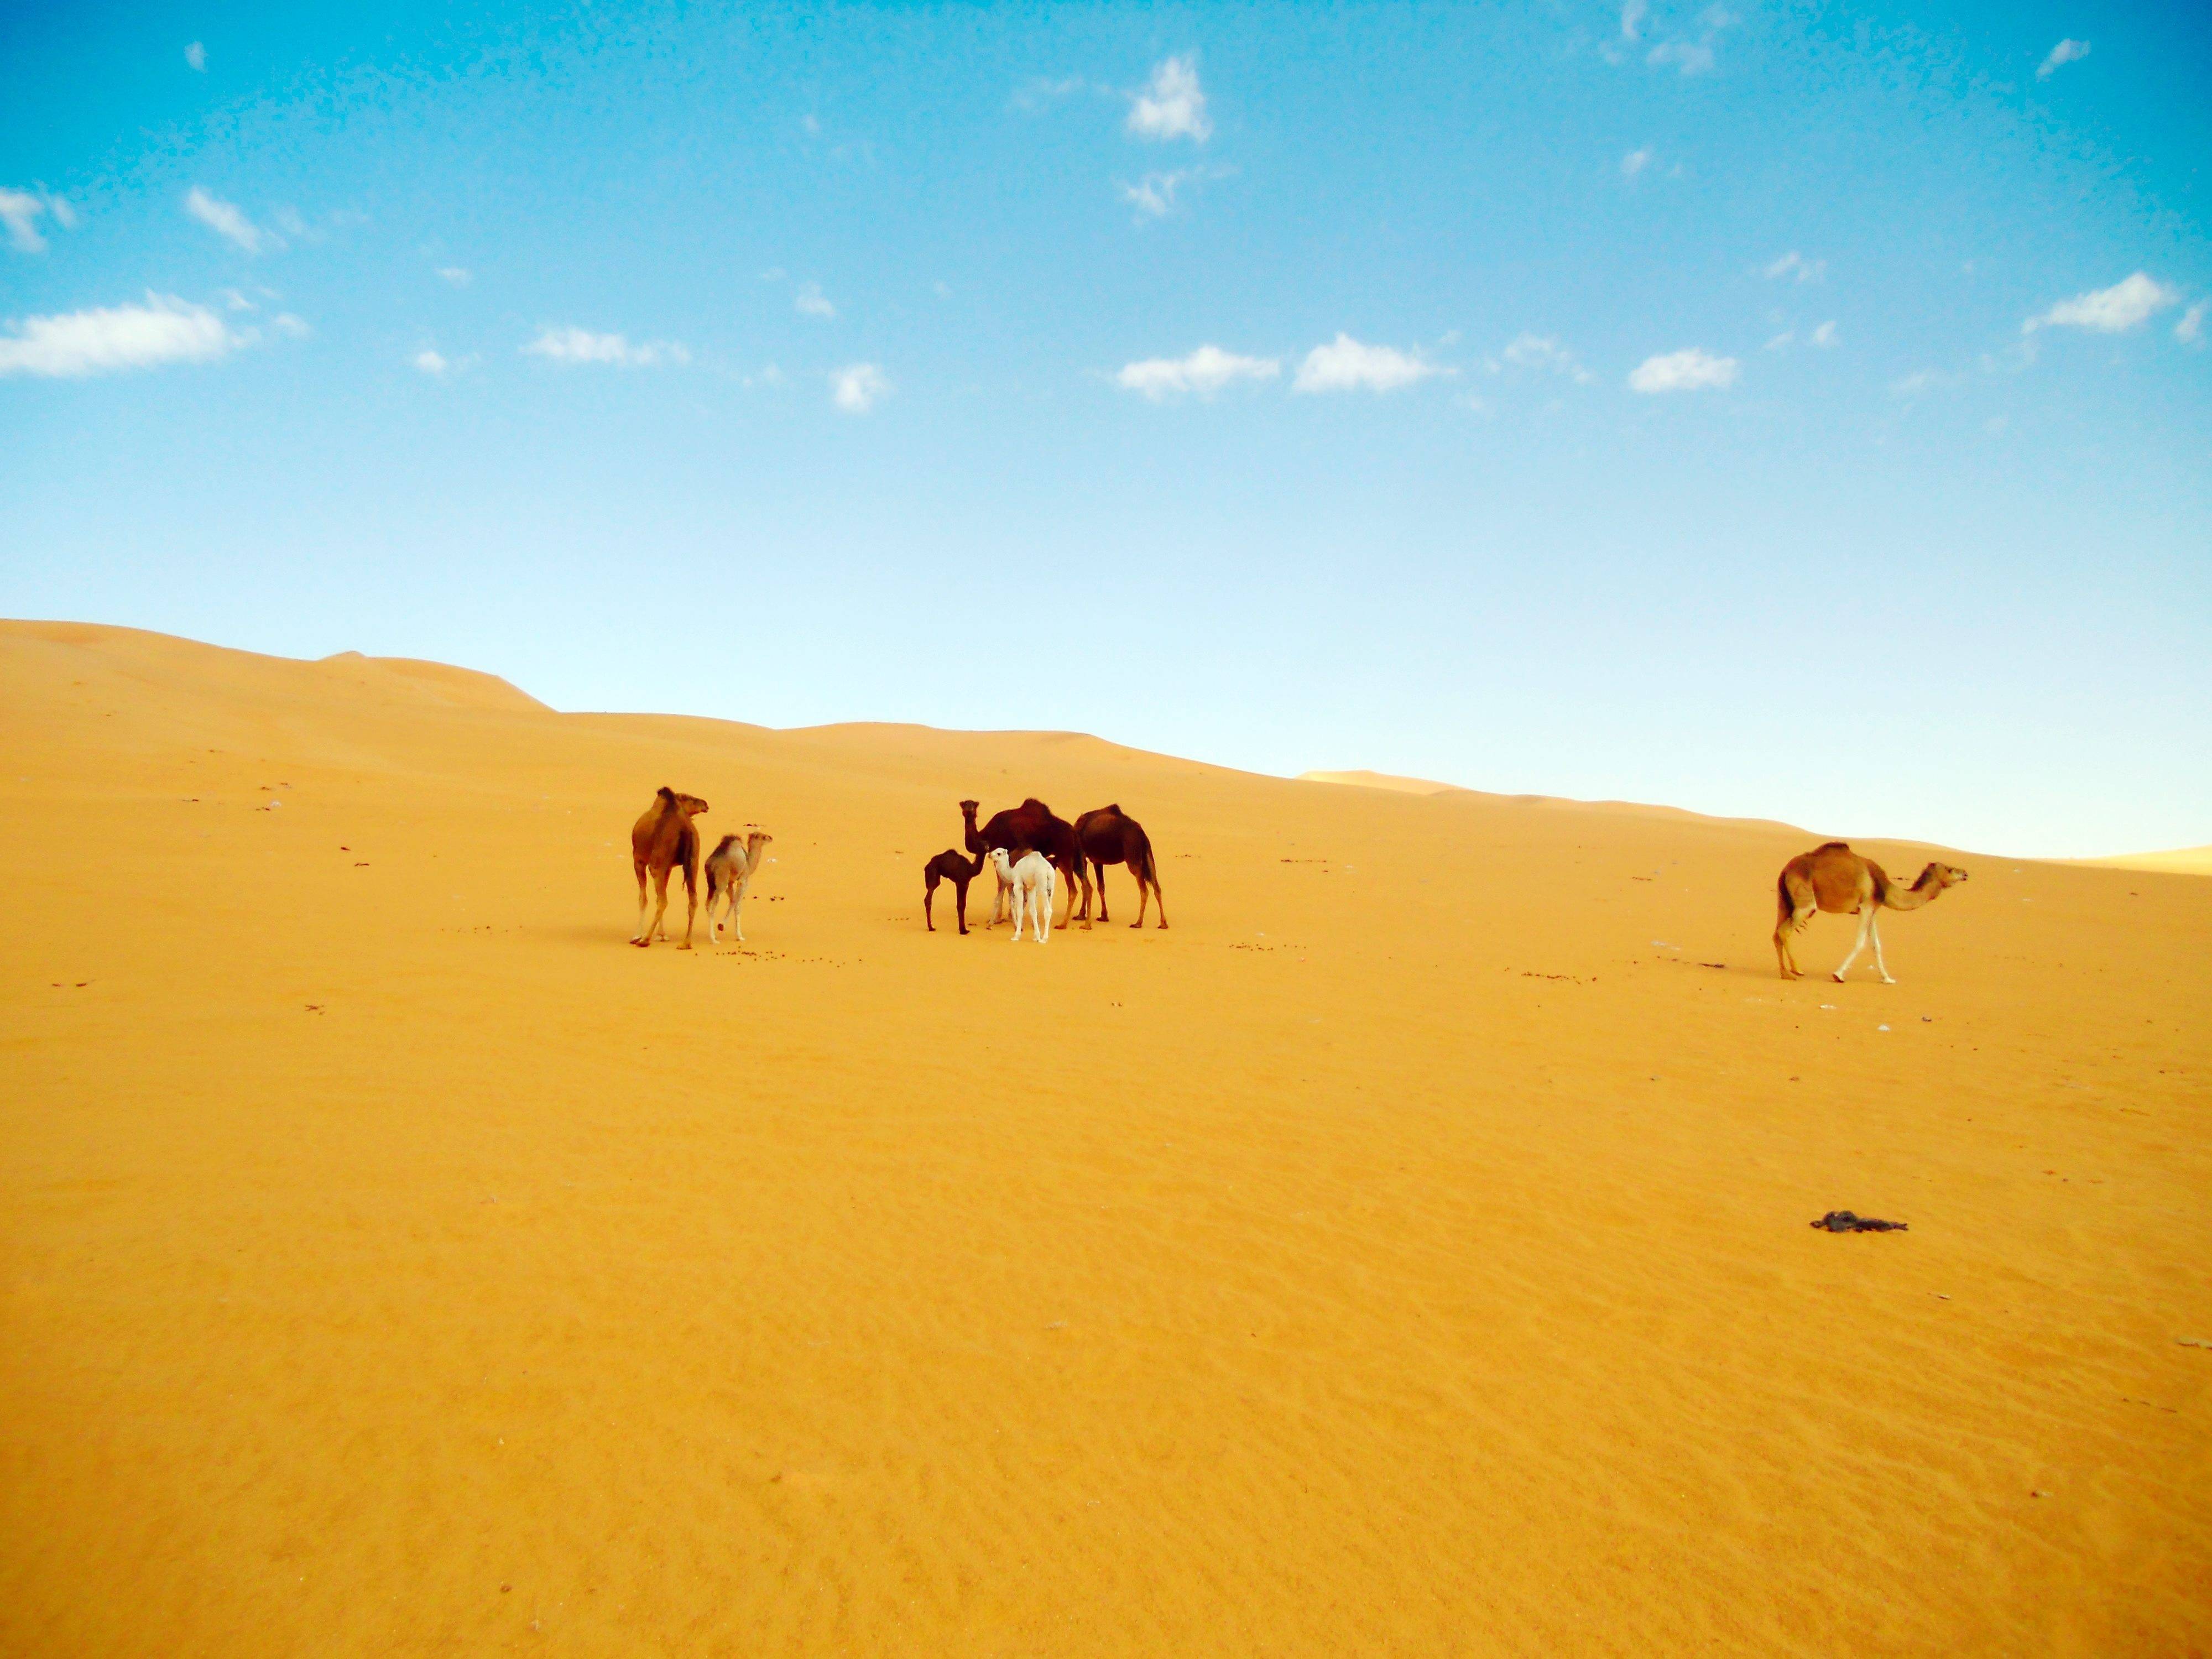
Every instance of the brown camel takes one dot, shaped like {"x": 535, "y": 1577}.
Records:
{"x": 1109, "y": 835}
{"x": 949, "y": 865}
{"x": 1834, "y": 879}
{"x": 1031, "y": 827}
{"x": 662, "y": 840}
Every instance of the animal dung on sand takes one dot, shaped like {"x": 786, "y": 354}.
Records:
{"x": 1842, "y": 1221}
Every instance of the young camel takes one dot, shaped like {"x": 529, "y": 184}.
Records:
{"x": 662, "y": 840}
{"x": 1109, "y": 835}
{"x": 730, "y": 870}
{"x": 1834, "y": 879}
{"x": 1033, "y": 878}
{"x": 949, "y": 865}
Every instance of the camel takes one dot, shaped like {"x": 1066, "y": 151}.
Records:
{"x": 662, "y": 840}
{"x": 730, "y": 870}
{"x": 1834, "y": 879}
{"x": 949, "y": 865}
{"x": 1030, "y": 827}
{"x": 1109, "y": 835}
{"x": 1031, "y": 879}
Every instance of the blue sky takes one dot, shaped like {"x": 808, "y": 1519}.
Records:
{"x": 1793, "y": 410}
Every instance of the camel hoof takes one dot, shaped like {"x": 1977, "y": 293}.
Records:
{"x": 1838, "y": 978}
{"x": 1887, "y": 980}
{"x": 641, "y": 943}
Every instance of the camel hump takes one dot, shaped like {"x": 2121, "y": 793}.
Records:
{"x": 724, "y": 845}
{"x": 1033, "y": 801}
{"x": 1833, "y": 846}
{"x": 1114, "y": 807}
{"x": 664, "y": 794}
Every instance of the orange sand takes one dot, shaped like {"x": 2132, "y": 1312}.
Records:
{"x": 1405, "y": 1253}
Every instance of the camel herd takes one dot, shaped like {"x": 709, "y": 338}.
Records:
{"x": 1036, "y": 856}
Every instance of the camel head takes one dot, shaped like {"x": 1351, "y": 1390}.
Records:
{"x": 690, "y": 805}
{"x": 754, "y": 842}
{"x": 968, "y": 810}
{"x": 1936, "y": 876}
{"x": 1003, "y": 862}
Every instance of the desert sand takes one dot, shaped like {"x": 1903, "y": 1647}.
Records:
{"x": 1405, "y": 1252}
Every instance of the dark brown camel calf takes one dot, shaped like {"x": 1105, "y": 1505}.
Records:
{"x": 949, "y": 865}
{"x": 662, "y": 840}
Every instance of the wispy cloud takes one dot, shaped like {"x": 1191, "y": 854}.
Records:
{"x": 1690, "y": 370}
{"x": 1635, "y": 161}
{"x": 1920, "y": 380}
{"x": 859, "y": 387}
{"x": 459, "y": 275}
{"x": 430, "y": 361}
{"x": 1633, "y": 14}
{"x": 1795, "y": 264}
{"x": 1155, "y": 196}
{"x": 578, "y": 345}
{"x": 2065, "y": 52}
{"x": 1541, "y": 351}
{"x": 20, "y": 211}
{"x": 1346, "y": 365}
{"x": 1042, "y": 91}
{"x": 1691, "y": 57}
{"x": 1173, "y": 105}
{"x": 196, "y": 55}
{"x": 1825, "y": 336}
{"x": 810, "y": 301}
{"x": 108, "y": 339}
{"x": 2107, "y": 310}
{"x": 227, "y": 221}
{"x": 2189, "y": 330}
{"x": 1204, "y": 372}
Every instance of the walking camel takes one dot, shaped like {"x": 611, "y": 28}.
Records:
{"x": 730, "y": 871}
{"x": 949, "y": 865}
{"x": 662, "y": 840}
{"x": 1834, "y": 879}
{"x": 1109, "y": 835}
{"x": 1031, "y": 827}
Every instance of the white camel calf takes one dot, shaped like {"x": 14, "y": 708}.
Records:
{"x": 1032, "y": 879}
{"x": 730, "y": 871}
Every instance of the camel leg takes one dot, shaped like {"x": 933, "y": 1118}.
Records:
{"x": 690, "y": 905}
{"x": 1099, "y": 869}
{"x": 1866, "y": 923}
{"x": 714, "y": 935}
{"x": 737, "y": 908}
{"x": 960, "y": 898}
{"x": 639, "y": 937}
{"x": 1874, "y": 930}
{"x": 928, "y": 898}
{"x": 1084, "y": 876}
{"x": 1159, "y": 900}
{"x": 661, "y": 891}
{"x": 1051, "y": 894}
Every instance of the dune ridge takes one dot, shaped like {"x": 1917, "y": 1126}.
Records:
{"x": 1405, "y": 1252}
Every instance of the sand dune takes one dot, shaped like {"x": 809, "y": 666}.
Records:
{"x": 2183, "y": 860}
{"x": 1403, "y": 1252}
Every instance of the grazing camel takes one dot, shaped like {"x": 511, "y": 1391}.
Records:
{"x": 1834, "y": 879}
{"x": 1028, "y": 828}
{"x": 1109, "y": 835}
{"x": 1032, "y": 879}
{"x": 730, "y": 870}
{"x": 663, "y": 840}
{"x": 949, "y": 865}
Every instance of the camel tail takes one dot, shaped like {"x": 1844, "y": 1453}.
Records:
{"x": 1149, "y": 871}
{"x": 1782, "y": 894}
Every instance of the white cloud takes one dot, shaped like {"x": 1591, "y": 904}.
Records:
{"x": 1038, "y": 92}
{"x": 1631, "y": 19}
{"x": 1920, "y": 380}
{"x": 1205, "y": 372}
{"x": 1781, "y": 341}
{"x": 2065, "y": 52}
{"x": 227, "y": 221}
{"x": 1346, "y": 365}
{"x": 1173, "y": 105}
{"x": 19, "y": 211}
{"x": 1683, "y": 371}
{"x": 1154, "y": 194}
{"x": 2189, "y": 330}
{"x": 2107, "y": 310}
{"x": 165, "y": 330}
{"x": 196, "y": 55}
{"x": 810, "y": 301}
{"x": 1541, "y": 351}
{"x": 459, "y": 275}
{"x": 859, "y": 387}
{"x": 1635, "y": 161}
{"x": 291, "y": 327}
{"x": 1691, "y": 58}
{"x": 1824, "y": 336}
{"x": 578, "y": 345}
{"x": 1794, "y": 264}
{"x": 430, "y": 361}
